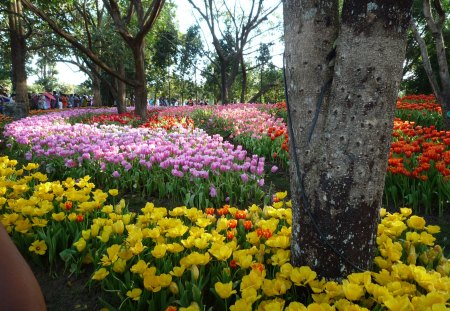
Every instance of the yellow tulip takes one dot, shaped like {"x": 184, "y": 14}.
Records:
{"x": 134, "y": 294}
{"x": 59, "y": 216}
{"x": 193, "y": 307}
{"x": 173, "y": 287}
{"x": 39, "y": 247}
{"x": 113, "y": 192}
{"x": 352, "y": 291}
{"x": 139, "y": 267}
{"x": 241, "y": 305}
{"x": 119, "y": 266}
{"x": 80, "y": 245}
{"x": 296, "y": 306}
{"x": 100, "y": 274}
{"x": 177, "y": 271}
{"x": 221, "y": 251}
{"x": 416, "y": 222}
{"x": 281, "y": 195}
{"x": 224, "y": 290}
{"x": 302, "y": 275}
{"x": 159, "y": 251}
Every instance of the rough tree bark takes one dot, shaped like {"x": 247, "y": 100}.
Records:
{"x": 342, "y": 79}
{"x": 18, "y": 56}
{"x": 435, "y": 24}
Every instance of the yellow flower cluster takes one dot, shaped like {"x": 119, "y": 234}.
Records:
{"x": 169, "y": 259}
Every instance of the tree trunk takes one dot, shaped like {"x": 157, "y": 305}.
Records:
{"x": 244, "y": 79}
{"x": 444, "y": 100}
{"x": 223, "y": 83}
{"x": 18, "y": 56}
{"x": 140, "y": 90}
{"x": 337, "y": 178}
{"x": 262, "y": 91}
{"x": 121, "y": 104}
{"x": 426, "y": 63}
{"x": 435, "y": 25}
{"x": 96, "y": 82}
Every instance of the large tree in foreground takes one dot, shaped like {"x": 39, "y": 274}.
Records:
{"x": 343, "y": 75}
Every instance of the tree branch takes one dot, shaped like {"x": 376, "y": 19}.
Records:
{"x": 72, "y": 40}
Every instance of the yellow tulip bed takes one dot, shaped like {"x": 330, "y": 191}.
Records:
{"x": 219, "y": 259}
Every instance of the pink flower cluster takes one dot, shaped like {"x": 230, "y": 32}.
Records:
{"x": 182, "y": 152}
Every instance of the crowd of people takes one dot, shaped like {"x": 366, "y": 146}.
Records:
{"x": 54, "y": 100}
{"x": 58, "y": 100}
{"x": 162, "y": 101}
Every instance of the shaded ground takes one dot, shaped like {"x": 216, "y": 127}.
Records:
{"x": 67, "y": 293}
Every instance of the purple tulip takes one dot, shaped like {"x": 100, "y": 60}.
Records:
{"x": 212, "y": 191}
{"x": 244, "y": 178}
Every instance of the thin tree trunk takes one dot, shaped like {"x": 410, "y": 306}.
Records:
{"x": 262, "y": 91}
{"x": 426, "y": 61}
{"x": 140, "y": 90}
{"x": 121, "y": 104}
{"x": 223, "y": 84}
{"x": 244, "y": 79}
{"x": 436, "y": 24}
{"x": 337, "y": 177}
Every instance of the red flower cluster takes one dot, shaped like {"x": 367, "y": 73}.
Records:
{"x": 419, "y": 102}
{"x": 416, "y": 149}
{"x": 153, "y": 120}
{"x": 265, "y": 233}
{"x": 273, "y": 132}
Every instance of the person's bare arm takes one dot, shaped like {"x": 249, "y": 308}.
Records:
{"x": 19, "y": 289}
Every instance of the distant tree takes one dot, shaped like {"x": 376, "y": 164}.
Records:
{"x": 231, "y": 26}
{"x": 272, "y": 88}
{"x": 46, "y": 69}
{"x": 165, "y": 49}
{"x": 439, "y": 79}
{"x": 133, "y": 22}
{"x": 191, "y": 48}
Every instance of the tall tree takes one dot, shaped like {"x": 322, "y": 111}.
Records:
{"x": 18, "y": 53}
{"x": 239, "y": 24}
{"x": 345, "y": 80}
{"x": 133, "y": 23}
{"x": 189, "y": 52}
{"x": 440, "y": 81}
{"x": 165, "y": 48}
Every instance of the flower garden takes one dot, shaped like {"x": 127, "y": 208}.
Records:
{"x": 224, "y": 241}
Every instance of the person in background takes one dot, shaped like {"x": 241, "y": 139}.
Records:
{"x": 64, "y": 100}
{"x": 71, "y": 101}
{"x": 76, "y": 100}
{"x": 3, "y": 99}
{"x": 84, "y": 101}
{"x": 19, "y": 289}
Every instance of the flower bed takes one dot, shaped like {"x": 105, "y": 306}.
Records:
{"x": 184, "y": 164}
{"x": 418, "y": 172}
{"x": 228, "y": 257}
{"x": 421, "y": 109}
